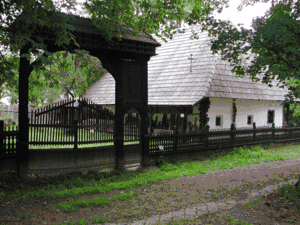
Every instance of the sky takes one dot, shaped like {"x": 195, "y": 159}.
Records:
{"x": 245, "y": 16}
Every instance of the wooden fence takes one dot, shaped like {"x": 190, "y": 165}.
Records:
{"x": 69, "y": 122}
{"x": 215, "y": 139}
{"x": 9, "y": 137}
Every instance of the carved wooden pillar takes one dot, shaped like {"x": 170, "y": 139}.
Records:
{"x": 119, "y": 118}
{"x": 131, "y": 92}
{"x": 144, "y": 110}
{"x": 22, "y": 149}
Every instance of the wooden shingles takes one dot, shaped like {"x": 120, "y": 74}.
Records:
{"x": 103, "y": 91}
{"x": 171, "y": 82}
{"x": 225, "y": 84}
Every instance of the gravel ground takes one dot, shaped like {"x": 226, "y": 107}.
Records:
{"x": 171, "y": 195}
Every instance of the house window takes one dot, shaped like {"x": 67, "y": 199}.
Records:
{"x": 271, "y": 115}
{"x": 219, "y": 120}
{"x": 249, "y": 119}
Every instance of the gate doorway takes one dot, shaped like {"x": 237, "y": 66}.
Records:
{"x": 133, "y": 151}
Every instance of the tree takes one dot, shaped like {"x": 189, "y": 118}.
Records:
{"x": 273, "y": 47}
{"x": 71, "y": 74}
{"x": 203, "y": 109}
{"x": 157, "y": 16}
{"x": 161, "y": 17}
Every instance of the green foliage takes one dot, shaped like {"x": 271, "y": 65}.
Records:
{"x": 66, "y": 73}
{"x": 233, "y": 113}
{"x": 203, "y": 110}
{"x": 273, "y": 48}
{"x": 113, "y": 18}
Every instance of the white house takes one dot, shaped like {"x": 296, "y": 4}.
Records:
{"x": 184, "y": 71}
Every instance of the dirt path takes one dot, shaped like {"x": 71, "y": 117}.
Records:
{"x": 170, "y": 195}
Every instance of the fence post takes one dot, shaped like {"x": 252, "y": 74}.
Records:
{"x": 273, "y": 131}
{"x": 1, "y": 136}
{"x": 75, "y": 145}
{"x": 206, "y": 131}
{"x": 254, "y": 131}
{"x": 290, "y": 131}
{"x": 175, "y": 139}
{"x": 146, "y": 144}
{"x": 232, "y": 128}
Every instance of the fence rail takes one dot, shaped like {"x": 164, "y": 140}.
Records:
{"x": 9, "y": 137}
{"x": 57, "y": 134}
{"x": 204, "y": 140}
{"x": 76, "y": 134}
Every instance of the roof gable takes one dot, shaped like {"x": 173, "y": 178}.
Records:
{"x": 174, "y": 79}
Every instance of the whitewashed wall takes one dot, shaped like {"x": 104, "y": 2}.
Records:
{"x": 220, "y": 106}
{"x": 257, "y": 108}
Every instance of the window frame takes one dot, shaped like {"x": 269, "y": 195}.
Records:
{"x": 251, "y": 120}
{"x": 268, "y": 118}
{"x": 221, "y": 120}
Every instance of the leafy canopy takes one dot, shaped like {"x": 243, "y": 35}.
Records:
{"x": 160, "y": 17}
{"x": 273, "y": 47}
{"x": 67, "y": 74}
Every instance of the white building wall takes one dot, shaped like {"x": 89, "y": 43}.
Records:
{"x": 257, "y": 108}
{"x": 218, "y": 106}
{"x": 222, "y": 106}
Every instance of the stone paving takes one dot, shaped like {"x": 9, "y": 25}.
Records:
{"x": 230, "y": 208}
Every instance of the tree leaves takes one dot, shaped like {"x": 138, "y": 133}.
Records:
{"x": 274, "y": 46}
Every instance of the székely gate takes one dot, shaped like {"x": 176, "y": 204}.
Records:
{"x": 126, "y": 60}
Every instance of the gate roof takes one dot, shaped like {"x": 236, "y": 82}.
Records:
{"x": 89, "y": 37}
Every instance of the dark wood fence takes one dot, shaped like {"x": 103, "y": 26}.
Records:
{"x": 9, "y": 138}
{"x": 71, "y": 122}
{"x": 214, "y": 139}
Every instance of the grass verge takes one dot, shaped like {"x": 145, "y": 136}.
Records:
{"x": 62, "y": 187}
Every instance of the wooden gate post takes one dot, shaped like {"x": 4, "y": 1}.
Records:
{"x": 119, "y": 125}
{"x": 25, "y": 68}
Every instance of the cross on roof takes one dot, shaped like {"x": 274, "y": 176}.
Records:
{"x": 191, "y": 58}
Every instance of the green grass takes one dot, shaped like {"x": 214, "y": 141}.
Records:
{"x": 96, "y": 202}
{"x": 97, "y": 183}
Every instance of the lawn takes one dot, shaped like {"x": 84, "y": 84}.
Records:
{"x": 63, "y": 187}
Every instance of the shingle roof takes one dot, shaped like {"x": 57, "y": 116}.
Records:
{"x": 170, "y": 81}
{"x": 225, "y": 84}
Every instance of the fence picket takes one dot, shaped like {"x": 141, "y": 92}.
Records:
{"x": 48, "y": 125}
